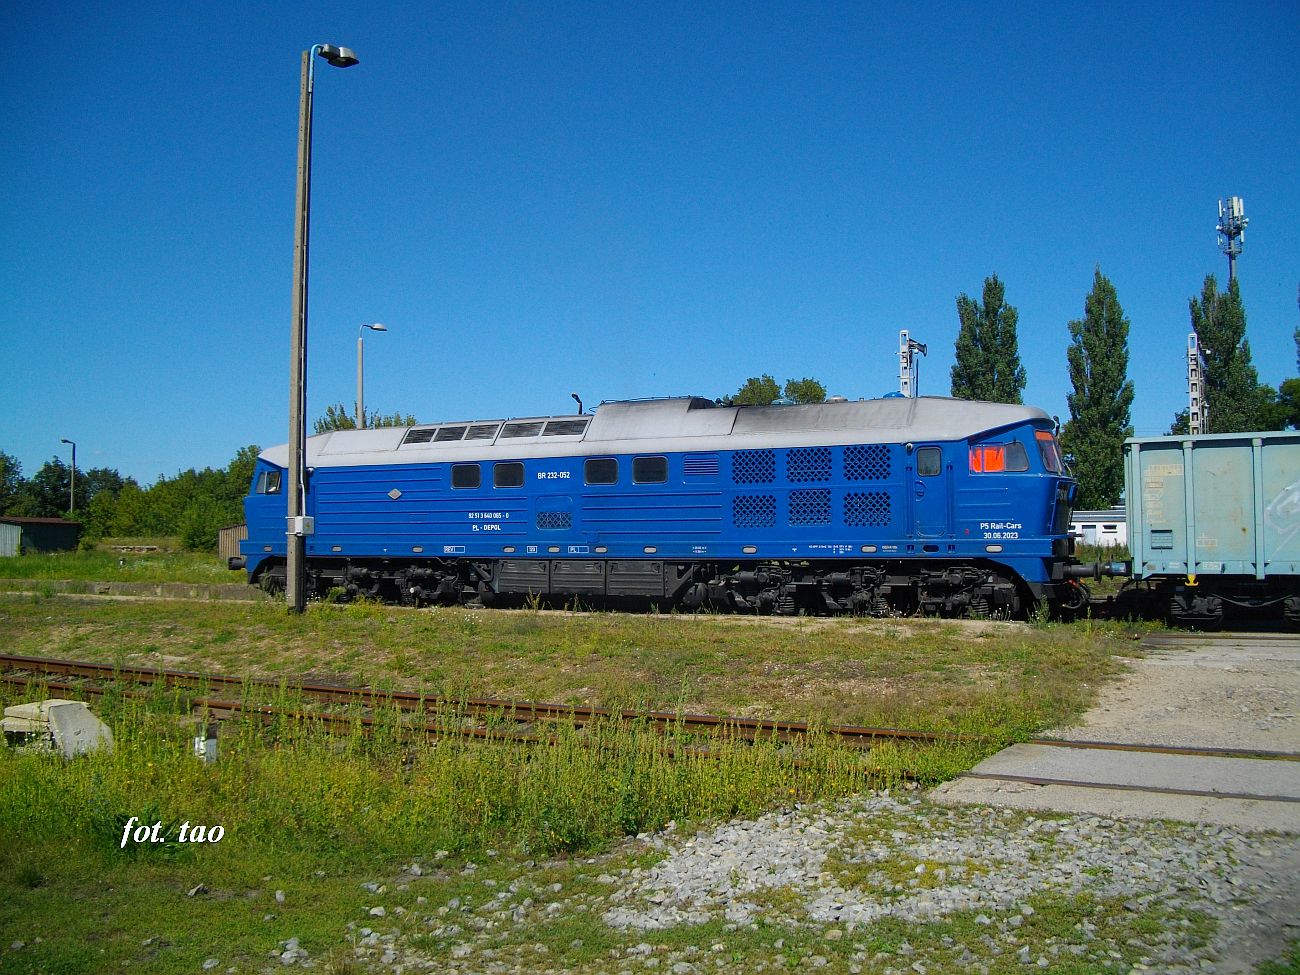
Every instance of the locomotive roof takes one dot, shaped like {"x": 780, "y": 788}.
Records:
{"x": 669, "y": 425}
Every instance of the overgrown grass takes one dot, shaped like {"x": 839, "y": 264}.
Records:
{"x": 101, "y": 566}
{"x": 1006, "y": 680}
{"x": 310, "y": 813}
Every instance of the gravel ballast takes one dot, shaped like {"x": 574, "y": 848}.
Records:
{"x": 832, "y": 887}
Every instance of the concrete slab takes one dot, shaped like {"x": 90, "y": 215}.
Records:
{"x": 77, "y": 731}
{"x": 1229, "y": 691}
{"x": 1238, "y": 777}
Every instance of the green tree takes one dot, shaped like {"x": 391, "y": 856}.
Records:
{"x": 756, "y": 391}
{"x": 764, "y": 391}
{"x": 988, "y": 357}
{"x": 1232, "y": 388}
{"x": 1103, "y": 396}
{"x": 805, "y": 390}
{"x": 337, "y": 417}
{"x": 45, "y": 495}
{"x": 11, "y": 481}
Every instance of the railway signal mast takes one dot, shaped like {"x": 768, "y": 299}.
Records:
{"x": 909, "y": 368}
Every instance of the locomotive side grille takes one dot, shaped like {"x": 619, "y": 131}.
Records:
{"x": 554, "y": 520}
{"x": 810, "y": 507}
{"x": 753, "y": 466}
{"x": 866, "y": 462}
{"x": 804, "y": 464}
{"x": 419, "y": 436}
{"x": 866, "y": 509}
{"x": 754, "y": 511}
{"x": 700, "y": 465}
{"x": 566, "y": 428}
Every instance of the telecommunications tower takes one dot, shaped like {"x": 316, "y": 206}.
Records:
{"x": 1232, "y": 231}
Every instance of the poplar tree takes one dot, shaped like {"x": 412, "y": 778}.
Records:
{"x": 1232, "y": 391}
{"x": 988, "y": 357}
{"x": 1102, "y": 398}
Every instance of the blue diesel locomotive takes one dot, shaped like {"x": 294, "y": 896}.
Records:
{"x": 924, "y": 504}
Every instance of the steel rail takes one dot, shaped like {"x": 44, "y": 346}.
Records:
{"x": 530, "y": 712}
{"x": 1124, "y": 787}
{"x": 518, "y": 711}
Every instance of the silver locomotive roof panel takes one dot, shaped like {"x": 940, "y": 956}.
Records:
{"x": 673, "y": 425}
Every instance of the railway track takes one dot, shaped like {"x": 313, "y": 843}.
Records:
{"x": 490, "y": 717}
{"x": 479, "y": 717}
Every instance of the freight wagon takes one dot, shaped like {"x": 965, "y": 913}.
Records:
{"x": 1214, "y": 525}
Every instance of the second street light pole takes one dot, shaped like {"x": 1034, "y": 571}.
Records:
{"x": 299, "y": 526}
{"x": 361, "y": 399}
{"x": 72, "y": 485}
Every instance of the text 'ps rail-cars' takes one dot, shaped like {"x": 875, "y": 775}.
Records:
{"x": 877, "y": 506}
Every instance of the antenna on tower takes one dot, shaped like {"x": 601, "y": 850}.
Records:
{"x": 909, "y": 369}
{"x": 1198, "y": 412}
{"x": 1232, "y": 231}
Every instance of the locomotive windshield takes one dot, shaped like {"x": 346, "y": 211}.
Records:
{"x": 1050, "y": 452}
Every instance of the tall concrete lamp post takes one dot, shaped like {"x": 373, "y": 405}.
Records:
{"x": 299, "y": 526}
{"x": 72, "y": 485}
{"x": 361, "y": 400}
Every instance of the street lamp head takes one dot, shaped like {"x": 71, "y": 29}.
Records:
{"x": 340, "y": 57}
{"x": 377, "y": 326}
{"x": 65, "y": 440}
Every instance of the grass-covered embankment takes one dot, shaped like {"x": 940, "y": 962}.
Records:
{"x": 316, "y": 816}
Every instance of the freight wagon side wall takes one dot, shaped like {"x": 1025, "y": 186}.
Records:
{"x": 1222, "y": 505}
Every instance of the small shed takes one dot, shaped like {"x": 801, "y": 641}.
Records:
{"x": 11, "y": 540}
{"x": 1104, "y": 528}
{"x": 228, "y": 540}
{"x": 38, "y": 535}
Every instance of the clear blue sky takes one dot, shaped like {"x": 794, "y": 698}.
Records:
{"x": 616, "y": 199}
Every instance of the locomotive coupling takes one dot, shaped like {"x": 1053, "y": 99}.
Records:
{"x": 1095, "y": 570}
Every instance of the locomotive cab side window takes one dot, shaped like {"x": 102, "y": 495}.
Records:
{"x": 466, "y": 476}
{"x": 508, "y": 475}
{"x": 649, "y": 470}
{"x": 268, "y": 482}
{"x": 998, "y": 457}
{"x": 600, "y": 470}
{"x": 929, "y": 461}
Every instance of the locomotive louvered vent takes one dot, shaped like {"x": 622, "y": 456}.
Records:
{"x": 804, "y": 464}
{"x": 810, "y": 507}
{"x": 866, "y": 509}
{"x": 531, "y": 429}
{"x": 753, "y": 466}
{"x": 482, "y": 431}
{"x": 866, "y": 462}
{"x": 700, "y": 465}
{"x": 422, "y": 435}
{"x": 553, "y": 520}
{"x": 449, "y": 433}
{"x": 754, "y": 511}
{"x": 566, "y": 428}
